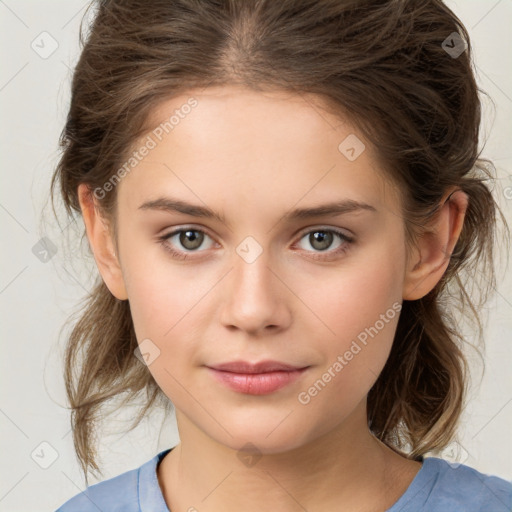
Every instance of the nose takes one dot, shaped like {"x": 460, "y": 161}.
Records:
{"x": 257, "y": 301}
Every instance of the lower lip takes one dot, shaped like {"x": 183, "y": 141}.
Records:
{"x": 257, "y": 383}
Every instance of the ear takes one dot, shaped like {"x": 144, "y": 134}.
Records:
{"x": 429, "y": 260}
{"x": 102, "y": 245}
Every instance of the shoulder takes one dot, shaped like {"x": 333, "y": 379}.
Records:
{"x": 122, "y": 493}
{"x": 441, "y": 486}
{"x": 458, "y": 483}
{"x": 115, "y": 494}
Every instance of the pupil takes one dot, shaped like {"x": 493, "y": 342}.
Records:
{"x": 324, "y": 239}
{"x": 191, "y": 239}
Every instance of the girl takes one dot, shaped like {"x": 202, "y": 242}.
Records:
{"x": 282, "y": 200}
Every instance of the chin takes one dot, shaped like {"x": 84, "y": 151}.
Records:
{"x": 266, "y": 437}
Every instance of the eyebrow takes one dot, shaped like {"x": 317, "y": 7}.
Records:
{"x": 329, "y": 209}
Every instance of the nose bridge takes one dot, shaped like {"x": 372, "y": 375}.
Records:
{"x": 252, "y": 278}
{"x": 255, "y": 299}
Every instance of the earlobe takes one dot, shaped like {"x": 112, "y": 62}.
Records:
{"x": 429, "y": 259}
{"x": 101, "y": 243}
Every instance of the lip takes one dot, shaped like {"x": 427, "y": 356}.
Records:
{"x": 259, "y": 378}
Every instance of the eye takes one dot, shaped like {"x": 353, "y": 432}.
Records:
{"x": 185, "y": 239}
{"x": 322, "y": 240}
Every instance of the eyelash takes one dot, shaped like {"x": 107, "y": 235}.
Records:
{"x": 182, "y": 255}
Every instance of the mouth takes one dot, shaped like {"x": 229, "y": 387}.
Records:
{"x": 256, "y": 378}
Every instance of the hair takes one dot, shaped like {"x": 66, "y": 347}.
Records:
{"x": 380, "y": 63}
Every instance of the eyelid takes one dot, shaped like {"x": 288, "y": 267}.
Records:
{"x": 349, "y": 235}
{"x": 341, "y": 231}
{"x": 329, "y": 255}
{"x": 184, "y": 227}
{"x": 346, "y": 240}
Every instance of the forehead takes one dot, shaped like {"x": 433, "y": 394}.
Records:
{"x": 243, "y": 117}
{"x": 272, "y": 145}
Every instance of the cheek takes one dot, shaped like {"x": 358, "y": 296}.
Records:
{"x": 167, "y": 302}
{"x": 163, "y": 305}
{"x": 160, "y": 291}
{"x": 353, "y": 297}
{"x": 359, "y": 308}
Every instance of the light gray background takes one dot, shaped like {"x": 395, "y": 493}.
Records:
{"x": 36, "y": 297}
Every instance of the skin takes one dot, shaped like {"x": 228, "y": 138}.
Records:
{"x": 252, "y": 157}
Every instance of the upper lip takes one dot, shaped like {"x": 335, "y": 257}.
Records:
{"x": 260, "y": 367}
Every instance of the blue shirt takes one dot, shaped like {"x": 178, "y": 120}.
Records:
{"x": 437, "y": 487}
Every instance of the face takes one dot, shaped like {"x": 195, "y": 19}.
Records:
{"x": 229, "y": 261}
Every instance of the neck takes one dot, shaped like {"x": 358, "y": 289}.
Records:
{"x": 346, "y": 466}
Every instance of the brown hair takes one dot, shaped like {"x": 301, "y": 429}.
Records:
{"x": 382, "y": 63}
